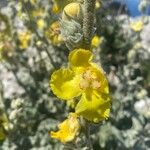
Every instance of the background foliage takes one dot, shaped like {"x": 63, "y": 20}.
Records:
{"x": 29, "y": 57}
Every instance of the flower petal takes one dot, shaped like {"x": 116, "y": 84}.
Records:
{"x": 65, "y": 84}
{"x": 80, "y": 57}
{"x": 94, "y": 106}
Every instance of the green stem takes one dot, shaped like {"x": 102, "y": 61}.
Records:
{"x": 88, "y": 22}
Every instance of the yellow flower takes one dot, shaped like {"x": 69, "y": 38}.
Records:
{"x": 53, "y": 34}
{"x": 97, "y": 5}
{"x": 68, "y": 129}
{"x": 4, "y": 126}
{"x": 24, "y": 39}
{"x": 137, "y": 26}
{"x": 38, "y": 12}
{"x": 96, "y": 41}
{"x": 40, "y": 24}
{"x": 55, "y": 9}
{"x": 83, "y": 78}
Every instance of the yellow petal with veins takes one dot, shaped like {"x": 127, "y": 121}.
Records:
{"x": 80, "y": 58}
{"x": 65, "y": 84}
{"x": 94, "y": 106}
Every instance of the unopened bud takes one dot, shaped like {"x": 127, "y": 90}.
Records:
{"x": 72, "y": 11}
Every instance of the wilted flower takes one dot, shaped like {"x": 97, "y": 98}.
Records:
{"x": 6, "y": 50}
{"x": 24, "y": 39}
{"x": 68, "y": 129}
{"x": 137, "y": 25}
{"x": 53, "y": 34}
{"x": 83, "y": 78}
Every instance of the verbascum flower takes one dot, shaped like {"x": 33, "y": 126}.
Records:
{"x": 55, "y": 9}
{"x": 53, "y": 34}
{"x": 68, "y": 129}
{"x": 24, "y": 39}
{"x": 4, "y": 126}
{"x": 72, "y": 11}
{"x": 96, "y": 41}
{"x": 40, "y": 23}
{"x": 6, "y": 50}
{"x": 85, "y": 79}
{"x": 137, "y": 26}
{"x": 38, "y": 12}
{"x": 97, "y": 4}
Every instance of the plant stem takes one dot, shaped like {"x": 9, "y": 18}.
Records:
{"x": 86, "y": 130}
{"x": 87, "y": 134}
{"x": 88, "y": 22}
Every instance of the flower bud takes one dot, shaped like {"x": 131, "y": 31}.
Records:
{"x": 72, "y": 34}
{"x": 72, "y": 11}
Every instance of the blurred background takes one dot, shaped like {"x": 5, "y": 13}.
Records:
{"x": 31, "y": 49}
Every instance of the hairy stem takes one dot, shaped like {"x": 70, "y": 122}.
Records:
{"x": 89, "y": 143}
{"x": 88, "y": 22}
{"x": 86, "y": 130}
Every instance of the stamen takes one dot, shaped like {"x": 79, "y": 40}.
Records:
{"x": 87, "y": 74}
{"x": 89, "y": 80}
{"x": 95, "y": 84}
{"x": 84, "y": 84}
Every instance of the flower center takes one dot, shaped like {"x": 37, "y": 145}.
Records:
{"x": 89, "y": 80}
